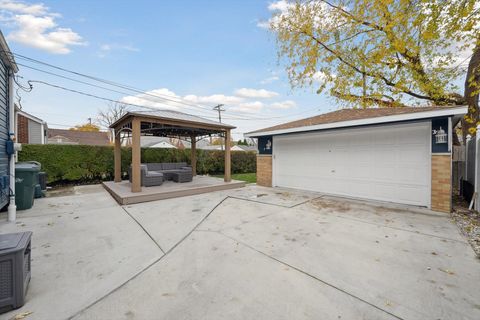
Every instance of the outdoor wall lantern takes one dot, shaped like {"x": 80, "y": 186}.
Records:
{"x": 268, "y": 145}
{"x": 440, "y": 136}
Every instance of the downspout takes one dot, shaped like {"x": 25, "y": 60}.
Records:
{"x": 12, "y": 208}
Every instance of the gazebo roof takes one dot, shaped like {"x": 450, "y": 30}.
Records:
{"x": 180, "y": 118}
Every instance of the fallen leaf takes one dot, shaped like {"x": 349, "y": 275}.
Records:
{"x": 447, "y": 271}
{"x": 22, "y": 315}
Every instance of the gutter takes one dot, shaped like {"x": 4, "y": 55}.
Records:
{"x": 12, "y": 208}
{"x": 462, "y": 110}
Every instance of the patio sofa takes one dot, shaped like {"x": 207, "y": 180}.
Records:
{"x": 153, "y": 174}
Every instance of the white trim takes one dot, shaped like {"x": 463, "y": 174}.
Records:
{"x": 368, "y": 121}
{"x": 12, "y": 208}
{"x": 430, "y": 164}
{"x": 30, "y": 117}
{"x": 42, "y": 129}
{"x": 450, "y": 134}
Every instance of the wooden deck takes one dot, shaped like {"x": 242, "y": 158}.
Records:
{"x": 122, "y": 193}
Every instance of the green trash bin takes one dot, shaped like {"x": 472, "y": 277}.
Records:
{"x": 26, "y": 177}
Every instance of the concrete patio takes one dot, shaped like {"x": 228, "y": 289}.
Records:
{"x": 248, "y": 253}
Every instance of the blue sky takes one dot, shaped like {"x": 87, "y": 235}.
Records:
{"x": 206, "y": 52}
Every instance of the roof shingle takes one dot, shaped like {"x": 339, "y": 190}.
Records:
{"x": 348, "y": 115}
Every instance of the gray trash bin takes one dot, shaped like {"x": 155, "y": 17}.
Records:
{"x": 15, "y": 269}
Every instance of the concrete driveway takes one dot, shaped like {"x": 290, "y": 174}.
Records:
{"x": 250, "y": 253}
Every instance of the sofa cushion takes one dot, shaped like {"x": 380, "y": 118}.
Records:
{"x": 169, "y": 166}
{"x": 180, "y": 165}
{"x": 155, "y": 166}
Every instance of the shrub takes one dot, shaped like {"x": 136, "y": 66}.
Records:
{"x": 89, "y": 164}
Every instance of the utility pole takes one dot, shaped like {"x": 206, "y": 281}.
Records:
{"x": 220, "y": 110}
{"x": 89, "y": 121}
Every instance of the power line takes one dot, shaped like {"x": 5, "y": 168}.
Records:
{"x": 116, "y": 91}
{"x": 127, "y": 87}
{"x": 111, "y": 83}
{"x": 97, "y": 86}
{"x": 95, "y": 96}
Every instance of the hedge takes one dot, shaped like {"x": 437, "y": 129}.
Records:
{"x": 89, "y": 164}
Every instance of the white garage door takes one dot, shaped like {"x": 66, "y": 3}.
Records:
{"x": 387, "y": 163}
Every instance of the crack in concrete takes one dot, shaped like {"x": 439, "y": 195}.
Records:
{"x": 398, "y": 228}
{"x": 274, "y": 204}
{"x": 310, "y": 275}
{"x": 150, "y": 265}
{"x": 145, "y": 230}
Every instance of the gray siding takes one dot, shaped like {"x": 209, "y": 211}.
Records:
{"x": 34, "y": 132}
{"x": 4, "y": 192}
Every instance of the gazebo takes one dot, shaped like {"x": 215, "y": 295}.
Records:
{"x": 165, "y": 123}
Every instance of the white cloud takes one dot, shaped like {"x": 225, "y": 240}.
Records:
{"x": 214, "y": 99}
{"x": 270, "y": 80}
{"x": 278, "y": 8}
{"x": 326, "y": 15}
{"x": 23, "y": 8}
{"x": 255, "y": 93}
{"x": 158, "y": 98}
{"x": 281, "y": 6}
{"x": 35, "y": 26}
{"x": 106, "y": 48}
{"x": 161, "y": 98}
{"x": 287, "y": 104}
{"x": 248, "y": 107}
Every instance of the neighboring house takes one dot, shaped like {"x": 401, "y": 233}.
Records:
{"x": 92, "y": 138}
{"x": 156, "y": 142}
{"x": 401, "y": 155}
{"x": 8, "y": 68}
{"x": 233, "y": 148}
{"x": 247, "y": 148}
{"x": 30, "y": 129}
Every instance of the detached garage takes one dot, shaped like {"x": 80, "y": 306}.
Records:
{"x": 400, "y": 155}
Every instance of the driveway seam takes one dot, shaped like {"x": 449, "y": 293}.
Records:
{"x": 150, "y": 265}
{"x": 145, "y": 230}
{"x": 311, "y": 276}
{"x": 400, "y": 229}
{"x": 274, "y": 204}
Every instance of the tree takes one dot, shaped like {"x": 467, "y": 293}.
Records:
{"x": 114, "y": 111}
{"x": 86, "y": 127}
{"x": 385, "y": 53}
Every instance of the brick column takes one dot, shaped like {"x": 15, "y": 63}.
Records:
{"x": 22, "y": 129}
{"x": 442, "y": 182}
{"x": 264, "y": 170}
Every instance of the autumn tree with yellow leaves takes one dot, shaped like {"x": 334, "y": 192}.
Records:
{"x": 384, "y": 53}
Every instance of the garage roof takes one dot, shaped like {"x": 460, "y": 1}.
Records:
{"x": 358, "y": 117}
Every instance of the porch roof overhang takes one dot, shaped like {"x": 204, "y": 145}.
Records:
{"x": 164, "y": 123}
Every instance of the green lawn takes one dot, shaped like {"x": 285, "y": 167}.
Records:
{"x": 247, "y": 177}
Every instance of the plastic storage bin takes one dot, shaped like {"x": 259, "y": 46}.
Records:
{"x": 15, "y": 269}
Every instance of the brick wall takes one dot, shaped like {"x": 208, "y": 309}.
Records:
{"x": 264, "y": 170}
{"x": 441, "y": 182}
{"x": 22, "y": 134}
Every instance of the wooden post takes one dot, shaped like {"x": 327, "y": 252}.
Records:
{"x": 228, "y": 163}
{"x": 136, "y": 174}
{"x": 193, "y": 156}
{"x": 117, "y": 155}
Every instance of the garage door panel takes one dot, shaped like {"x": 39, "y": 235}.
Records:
{"x": 382, "y": 163}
